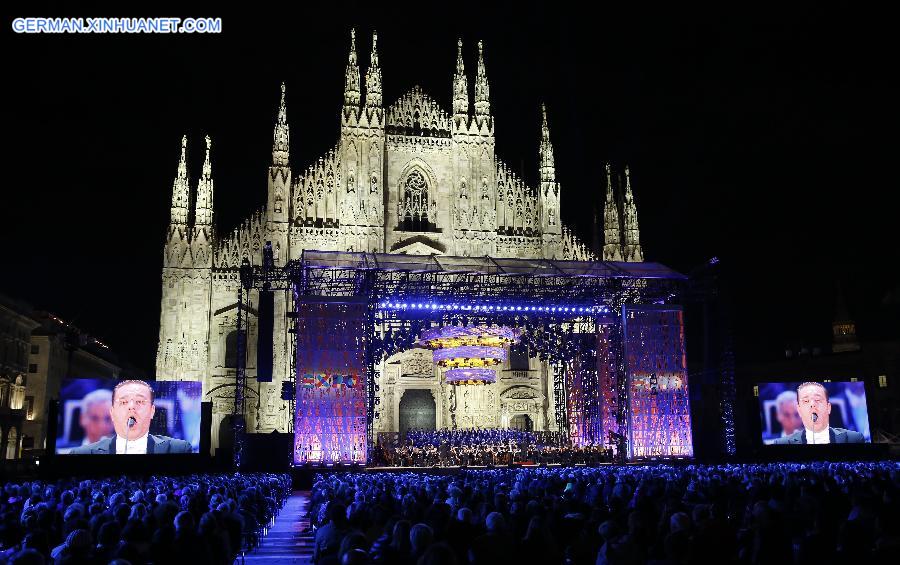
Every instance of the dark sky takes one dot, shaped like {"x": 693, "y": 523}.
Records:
{"x": 766, "y": 139}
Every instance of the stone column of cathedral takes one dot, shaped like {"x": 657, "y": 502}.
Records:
{"x": 632, "y": 242}
{"x": 277, "y": 227}
{"x": 612, "y": 229}
{"x": 548, "y": 197}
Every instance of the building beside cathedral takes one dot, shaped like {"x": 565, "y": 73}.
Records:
{"x": 409, "y": 177}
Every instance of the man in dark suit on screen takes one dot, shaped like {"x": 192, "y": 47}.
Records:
{"x": 132, "y": 412}
{"x": 815, "y": 410}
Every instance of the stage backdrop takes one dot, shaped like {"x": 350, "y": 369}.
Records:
{"x": 330, "y": 417}
{"x": 656, "y": 367}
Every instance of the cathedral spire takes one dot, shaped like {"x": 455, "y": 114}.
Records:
{"x": 460, "y": 85}
{"x": 181, "y": 190}
{"x": 612, "y": 239}
{"x": 632, "y": 246}
{"x": 351, "y": 77}
{"x": 482, "y": 92}
{"x": 282, "y": 144}
{"x": 373, "y": 76}
{"x": 548, "y": 169}
{"x": 549, "y": 191}
{"x": 203, "y": 209}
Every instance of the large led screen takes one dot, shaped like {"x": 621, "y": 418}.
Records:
{"x": 132, "y": 417}
{"x": 814, "y": 412}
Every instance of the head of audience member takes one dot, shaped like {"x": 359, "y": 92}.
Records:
{"x": 352, "y": 541}
{"x": 464, "y": 515}
{"x": 420, "y": 537}
{"x": 400, "y": 539}
{"x": 495, "y": 523}
{"x": 337, "y": 513}
{"x": 355, "y": 556}
{"x": 679, "y": 522}
{"x": 184, "y": 522}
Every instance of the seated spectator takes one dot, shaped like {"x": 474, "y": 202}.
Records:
{"x": 328, "y": 537}
{"x": 420, "y": 537}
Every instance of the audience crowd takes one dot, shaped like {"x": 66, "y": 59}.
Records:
{"x": 775, "y": 513}
{"x": 772, "y": 514}
{"x": 199, "y": 519}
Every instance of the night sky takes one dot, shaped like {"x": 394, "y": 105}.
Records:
{"x": 767, "y": 140}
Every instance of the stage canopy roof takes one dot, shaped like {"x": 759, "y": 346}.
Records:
{"x": 344, "y": 260}
{"x": 378, "y": 276}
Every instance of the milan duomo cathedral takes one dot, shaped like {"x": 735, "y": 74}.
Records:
{"x": 404, "y": 178}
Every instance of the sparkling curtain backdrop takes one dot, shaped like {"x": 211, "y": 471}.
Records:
{"x": 660, "y": 423}
{"x": 606, "y": 376}
{"x": 584, "y": 400}
{"x": 331, "y": 396}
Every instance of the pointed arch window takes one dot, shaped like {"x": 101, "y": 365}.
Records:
{"x": 416, "y": 212}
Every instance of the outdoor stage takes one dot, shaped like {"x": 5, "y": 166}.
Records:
{"x": 611, "y": 333}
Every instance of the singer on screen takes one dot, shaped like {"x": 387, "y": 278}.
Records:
{"x": 815, "y": 410}
{"x": 132, "y": 412}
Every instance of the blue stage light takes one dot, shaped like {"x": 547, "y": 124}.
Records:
{"x": 489, "y": 307}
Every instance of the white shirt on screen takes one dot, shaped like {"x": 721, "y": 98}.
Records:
{"x": 817, "y": 438}
{"x": 137, "y": 446}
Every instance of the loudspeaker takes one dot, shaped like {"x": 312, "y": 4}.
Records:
{"x": 206, "y": 409}
{"x": 264, "y": 345}
{"x": 287, "y": 390}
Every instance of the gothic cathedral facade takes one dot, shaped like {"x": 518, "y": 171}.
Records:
{"x": 405, "y": 178}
